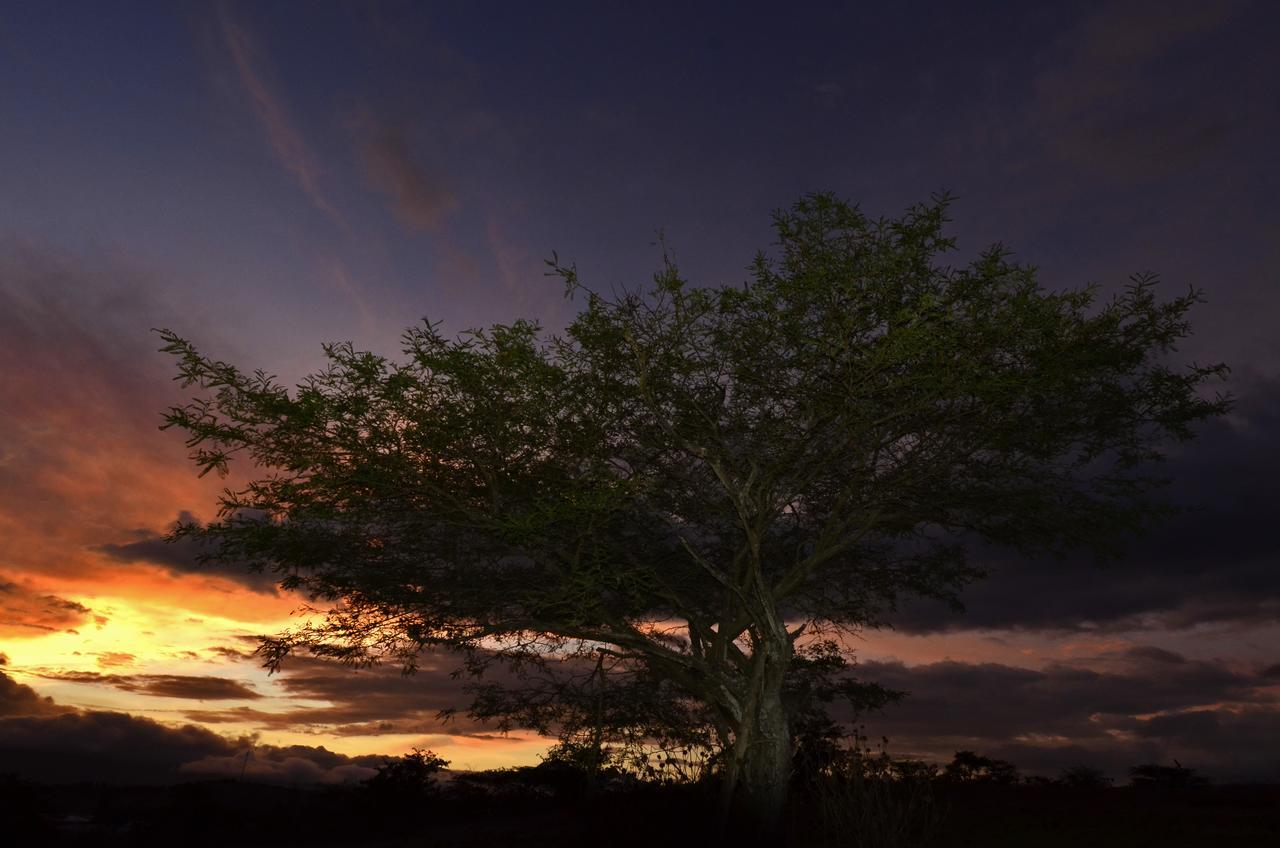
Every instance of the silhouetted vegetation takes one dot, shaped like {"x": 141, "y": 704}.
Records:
{"x": 1083, "y": 777}
{"x": 1156, "y": 776}
{"x": 651, "y": 516}
{"x": 862, "y": 797}
{"x": 968, "y": 767}
{"x": 408, "y": 778}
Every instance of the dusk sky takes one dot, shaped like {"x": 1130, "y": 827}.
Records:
{"x": 266, "y": 177}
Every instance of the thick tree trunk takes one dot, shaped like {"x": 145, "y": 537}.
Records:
{"x": 766, "y": 771}
{"x": 760, "y": 768}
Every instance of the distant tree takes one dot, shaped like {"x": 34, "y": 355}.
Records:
{"x": 410, "y": 776}
{"x": 696, "y": 481}
{"x": 1082, "y": 777}
{"x": 968, "y": 767}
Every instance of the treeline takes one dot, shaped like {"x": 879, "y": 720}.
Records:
{"x": 569, "y": 769}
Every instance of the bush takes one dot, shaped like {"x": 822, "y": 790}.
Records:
{"x": 870, "y": 800}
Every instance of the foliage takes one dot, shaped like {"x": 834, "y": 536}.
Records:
{"x": 693, "y": 482}
{"x": 820, "y": 676}
{"x": 1083, "y": 777}
{"x": 968, "y": 767}
{"x": 413, "y": 774}
{"x": 866, "y": 798}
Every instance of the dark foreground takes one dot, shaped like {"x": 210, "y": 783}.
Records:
{"x": 227, "y": 813}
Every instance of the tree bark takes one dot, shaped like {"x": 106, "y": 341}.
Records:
{"x": 759, "y": 772}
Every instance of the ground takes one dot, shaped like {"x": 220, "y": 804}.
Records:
{"x": 228, "y": 813}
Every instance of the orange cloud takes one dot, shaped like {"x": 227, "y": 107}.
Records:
{"x": 83, "y": 462}
{"x": 28, "y": 612}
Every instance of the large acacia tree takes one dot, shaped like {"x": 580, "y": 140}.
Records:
{"x": 692, "y": 481}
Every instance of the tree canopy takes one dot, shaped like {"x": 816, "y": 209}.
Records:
{"x": 692, "y": 482}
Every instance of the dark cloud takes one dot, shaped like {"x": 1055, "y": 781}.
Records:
{"x": 25, "y": 611}
{"x": 42, "y": 741}
{"x": 290, "y": 765}
{"x": 1218, "y": 561}
{"x": 183, "y": 557}
{"x": 1111, "y": 710}
{"x": 17, "y": 699}
{"x": 101, "y": 746}
{"x": 229, "y": 652}
{"x": 199, "y": 688}
{"x": 368, "y": 701}
{"x": 1123, "y": 102}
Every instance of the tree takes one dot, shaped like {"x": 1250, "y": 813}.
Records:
{"x": 409, "y": 778}
{"x": 968, "y": 767}
{"x": 693, "y": 482}
{"x": 1083, "y": 778}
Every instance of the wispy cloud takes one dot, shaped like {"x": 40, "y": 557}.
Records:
{"x": 422, "y": 197}
{"x": 196, "y": 688}
{"x": 285, "y": 139}
{"x": 368, "y": 702}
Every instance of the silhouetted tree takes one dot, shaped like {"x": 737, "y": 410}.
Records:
{"x": 1082, "y": 777}
{"x": 407, "y": 777}
{"x": 697, "y": 480}
{"x": 968, "y": 767}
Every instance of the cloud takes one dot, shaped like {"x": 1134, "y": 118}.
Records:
{"x": 422, "y": 198}
{"x": 202, "y": 688}
{"x": 182, "y": 557}
{"x": 25, "y": 611}
{"x": 17, "y": 699}
{"x": 286, "y": 142}
{"x": 290, "y": 765}
{"x": 1119, "y": 103}
{"x": 1112, "y": 710}
{"x": 79, "y": 414}
{"x": 42, "y": 741}
{"x": 363, "y": 702}
{"x": 1217, "y": 562}
{"x": 83, "y": 459}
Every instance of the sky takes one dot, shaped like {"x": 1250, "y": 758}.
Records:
{"x": 266, "y": 177}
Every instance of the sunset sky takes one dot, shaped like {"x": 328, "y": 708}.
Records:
{"x": 266, "y": 177}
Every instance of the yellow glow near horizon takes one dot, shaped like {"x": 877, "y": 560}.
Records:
{"x": 159, "y": 635}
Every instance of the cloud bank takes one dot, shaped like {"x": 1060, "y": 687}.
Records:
{"x": 40, "y": 740}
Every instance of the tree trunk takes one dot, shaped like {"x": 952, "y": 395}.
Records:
{"x": 760, "y": 770}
